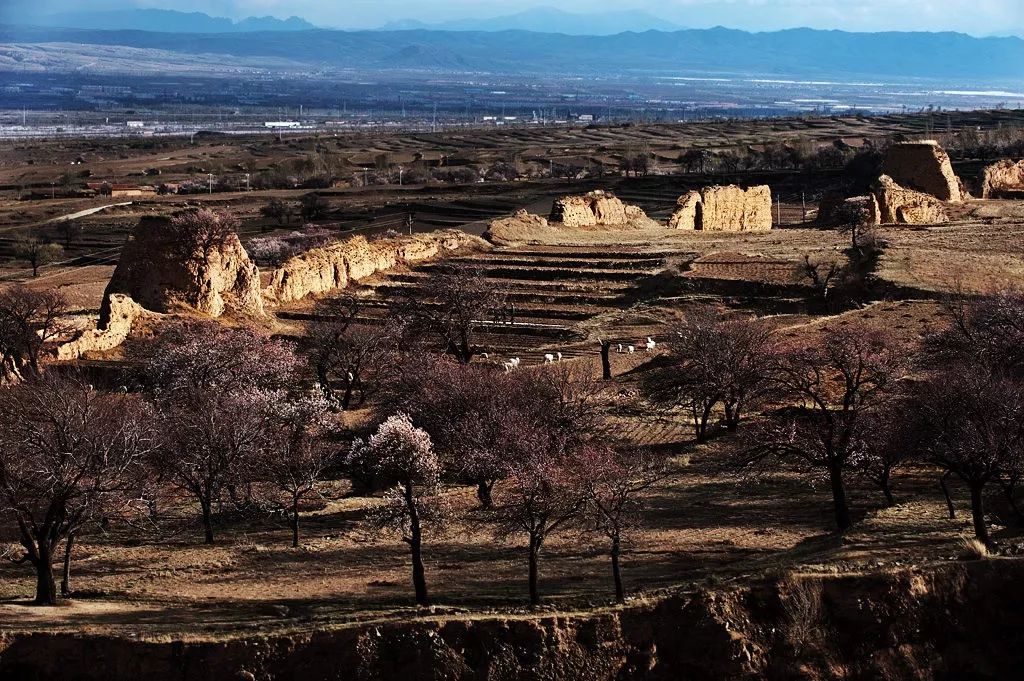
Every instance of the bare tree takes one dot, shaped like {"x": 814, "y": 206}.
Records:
{"x": 294, "y": 456}
{"x": 403, "y": 454}
{"x": 68, "y": 454}
{"x": 837, "y": 387}
{"x": 70, "y": 230}
{"x": 971, "y": 423}
{"x": 215, "y": 389}
{"x": 615, "y": 487}
{"x": 36, "y": 251}
{"x": 30, "y": 322}
{"x": 712, "y": 360}
{"x": 986, "y": 331}
{"x": 454, "y": 301}
{"x": 545, "y": 492}
{"x": 277, "y": 210}
{"x": 351, "y": 354}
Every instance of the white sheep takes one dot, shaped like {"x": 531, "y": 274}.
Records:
{"x": 559, "y": 356}
{"x": 631, "y": 349}
{"x": 509, "y": 366}
{"x": 620, "y": 348}
{"x": 650, "y": 344}
{"x": 549, "y": 358}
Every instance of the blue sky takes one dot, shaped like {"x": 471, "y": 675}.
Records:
{"x": 979, "y": 17}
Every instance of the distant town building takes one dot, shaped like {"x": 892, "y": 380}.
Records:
{"x": 282, "y": 124}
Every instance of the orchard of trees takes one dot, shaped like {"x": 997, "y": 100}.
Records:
{"x": 213, "y": 419}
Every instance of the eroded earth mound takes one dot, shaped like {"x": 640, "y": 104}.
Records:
{"x": 598, "y": 209}
{"x": 902, "y": 206}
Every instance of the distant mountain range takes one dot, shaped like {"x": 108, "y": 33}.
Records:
{"x": 796, "y": 53}
{"x": 164, "y": 21}
{"x": 549, "y": 20}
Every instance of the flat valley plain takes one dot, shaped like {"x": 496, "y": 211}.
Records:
{"x": 707, "y": 525}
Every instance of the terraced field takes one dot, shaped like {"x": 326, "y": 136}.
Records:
{"x": 558, "y": 299}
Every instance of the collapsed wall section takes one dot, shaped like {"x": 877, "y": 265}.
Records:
{"x": 898, "y": 205}
{"x": 1004, "y": 179}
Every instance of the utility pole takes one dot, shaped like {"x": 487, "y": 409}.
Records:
{"x": 247, "y": 182}
{"x": 778, "y": 210}
{"x": 211, "y": 183}
{"x": 401, "y": 170}
{"x": 803, "y": 205}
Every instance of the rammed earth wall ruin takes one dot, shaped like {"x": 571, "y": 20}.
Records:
{"x": 724, "y": 209}
{"x": 325, "y": 269}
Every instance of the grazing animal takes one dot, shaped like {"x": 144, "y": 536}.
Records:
{"x": 549, "y": 358}
{"x": 559, "y": 356}
{"x": 509, "y": 366}
{"x": 651, "y": 344}
{"x": 620, "y": 348}
{"x": 631, "y": 349}
{"x": 515, "y": 362}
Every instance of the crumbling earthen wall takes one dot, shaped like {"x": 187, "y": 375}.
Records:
{"x": 122, "y": 315}
{"x": 902, "y": 206}
{"x": 332, "y": 267}
{"x": 832, "y": 209}
{"x": 1004, "y": 179}
{"x": 925, "y": 167}
{"x": 597, "y": 209}
{"x": 156, "y": 273}
{"x": 725, "y": 209}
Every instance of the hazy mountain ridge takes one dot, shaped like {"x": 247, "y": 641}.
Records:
{"x": 803, "y": 53}
{"x": 549, "y": 20}
{"x": 164, "y": 21}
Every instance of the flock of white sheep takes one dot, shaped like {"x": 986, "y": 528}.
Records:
{"x": 554, "y": 357}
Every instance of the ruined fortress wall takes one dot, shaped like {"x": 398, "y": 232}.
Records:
{"x": 158, "y": 276}
{"x": 1002, "y": 179}
{"x": 902, "y": 206}
{"x": 725, "y": 209}
{"x": 597, "y": 209}
{"x": 924, "y": 167}
{"x": 122, "y": 314}
{"x": 325, "y": 269}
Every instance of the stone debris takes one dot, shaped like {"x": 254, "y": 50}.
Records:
{"x": 332, "y": 267}
{"x": 156, "y": 274}
{"x": 724, "y": 209}
{"x": 923, "y": 166}
{"x": 902, "y": 206}
{"x": 1002, "y": 180}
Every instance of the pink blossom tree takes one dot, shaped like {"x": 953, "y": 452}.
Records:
{"x": 403, "y": 455}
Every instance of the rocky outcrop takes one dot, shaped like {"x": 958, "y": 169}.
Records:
{"x": 955, "y": 621}
{"x": 1004, "y": 179}
{"x": 598, "y": 209}
{"x": 924, "y": 167}
{"x": 517, "y": 228}
{"x": 162, "y": 272}
{"x": 900, "y": 206}
{"x": 332, "y": 267}
{"x": 724, "y": 209}
{"x": 122, "y": 313}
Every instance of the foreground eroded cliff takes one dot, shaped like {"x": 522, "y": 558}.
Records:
{"x": 956, "y": 621}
